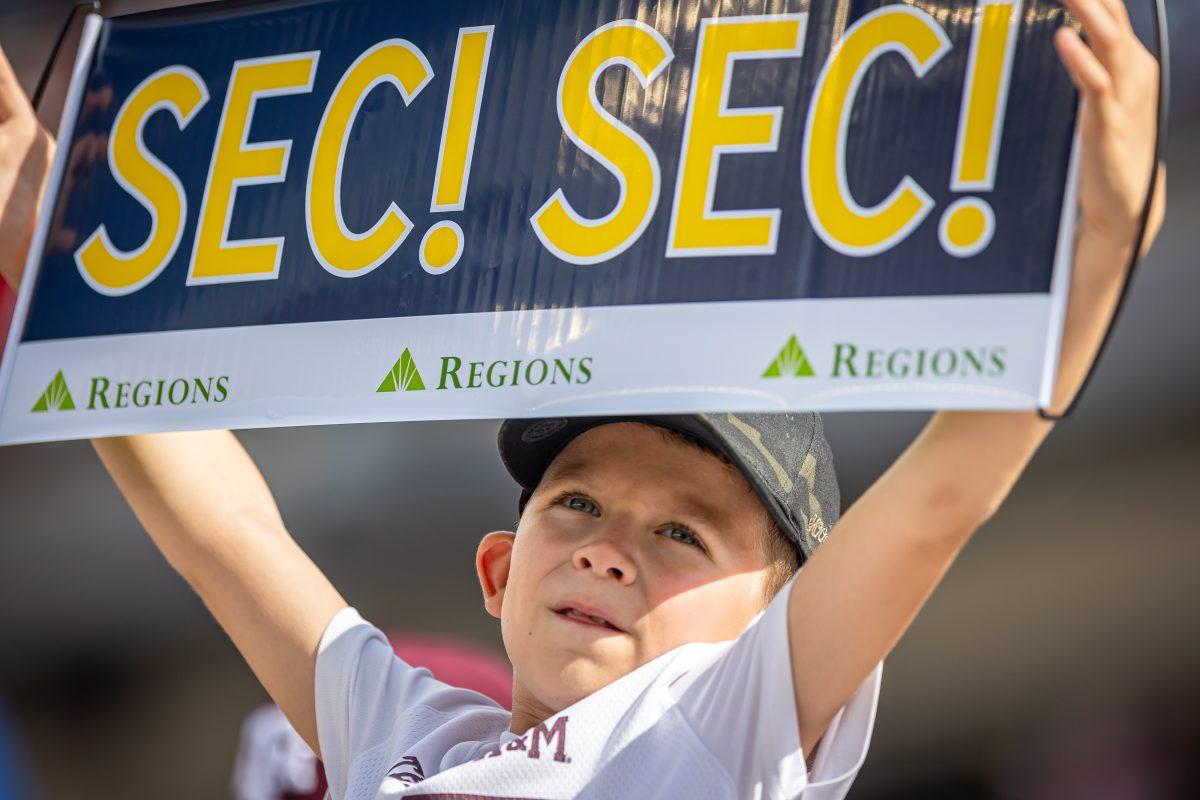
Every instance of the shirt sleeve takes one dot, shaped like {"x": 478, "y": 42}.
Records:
{"x": 741, "y": 702}
{"x": 371, "y": 704}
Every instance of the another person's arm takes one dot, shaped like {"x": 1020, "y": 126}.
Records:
{"x": 861, "y": 590}
{"x": 198, "y": 494}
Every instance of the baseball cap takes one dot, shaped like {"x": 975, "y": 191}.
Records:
{"x": 785, "y": 458}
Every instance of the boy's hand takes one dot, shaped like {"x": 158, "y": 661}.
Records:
{"x": 1118, "y": 80}
{"x": 26, "y": 150}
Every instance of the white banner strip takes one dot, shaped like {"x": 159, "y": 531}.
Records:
{"x": 981, "y": 352}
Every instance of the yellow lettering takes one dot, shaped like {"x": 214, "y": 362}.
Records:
{"x": 462, "y": 116}
{"x": 841, "y": 222}
{"x": 563, "y": 231}
{"x": 339, "y": 250}
{"x": 236, "y": 162}
{"x": 993, "y": 44}
{"x": 106, "y": 268}
{"x": 712, "y": 128}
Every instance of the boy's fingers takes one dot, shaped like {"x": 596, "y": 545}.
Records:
{"x": 1087, "y": 8}
{"x": 12, "y": 98}
{"x": 1119, "y": 12}
{"x": 1087, "y": 73}
{"x": 1102, "y": 29}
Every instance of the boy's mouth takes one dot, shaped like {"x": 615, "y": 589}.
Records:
{"x": 586, "y": 616}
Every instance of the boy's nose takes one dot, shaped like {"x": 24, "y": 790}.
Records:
{"x": 605, "y": 560}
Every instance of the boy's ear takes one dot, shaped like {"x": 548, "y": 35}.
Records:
{"x": 492, "y": 560}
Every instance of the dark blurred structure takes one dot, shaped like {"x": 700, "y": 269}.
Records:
{"x": 1057, "y": 660}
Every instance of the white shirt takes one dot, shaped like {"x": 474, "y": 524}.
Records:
{"x": 705, "y": 720}
{"x": 272, "y": 759}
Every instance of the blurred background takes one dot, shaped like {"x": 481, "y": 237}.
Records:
{"x": 1057, "y": 659}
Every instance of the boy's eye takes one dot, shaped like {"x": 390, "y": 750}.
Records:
{"x": 582, "y": 504}
{"x": 684, "y": 535}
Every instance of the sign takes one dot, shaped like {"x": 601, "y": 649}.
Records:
{"x": 283, "y": 213}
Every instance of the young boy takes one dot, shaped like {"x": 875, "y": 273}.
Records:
{"x": 631, "y": 596}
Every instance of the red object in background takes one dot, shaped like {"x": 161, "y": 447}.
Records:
{"x": 8, "y": 302}
{"x": 271, "y": 755}
{"x": 458, "y": 664}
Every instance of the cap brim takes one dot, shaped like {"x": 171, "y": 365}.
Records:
{"x": 527, "y": 446}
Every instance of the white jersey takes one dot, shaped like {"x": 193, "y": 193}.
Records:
{"x": 705, "y": 720}
{"x": 272, "y": 760}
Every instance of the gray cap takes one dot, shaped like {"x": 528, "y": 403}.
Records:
{"x": 784, "y": 457}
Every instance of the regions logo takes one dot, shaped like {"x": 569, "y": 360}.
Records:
{"x": 791, "y": 362}
{"x": 897, "y": 363}
{"x": 57, "y": 396}
{"x": 459, "y": 372}
{"x": 105, "y": 393}
{"x": 175, "y": 391}
{"x": 404, "y": 375}
{"x": 854, "y": 361}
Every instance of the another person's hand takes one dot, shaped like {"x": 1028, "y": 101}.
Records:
{"x": 26, "y": 150}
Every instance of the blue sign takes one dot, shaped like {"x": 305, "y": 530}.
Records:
{"x": 249, "y": 165}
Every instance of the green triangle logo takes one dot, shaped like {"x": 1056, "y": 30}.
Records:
{"x": 57, "y": 396}
{"x": 404, "y": 375}
{"x": 790, "y": 363}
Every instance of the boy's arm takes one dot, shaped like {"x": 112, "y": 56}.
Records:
{"x": 207, "y": 508}
{"x": 860, "y": 591}
{"x": 198, "y": 494}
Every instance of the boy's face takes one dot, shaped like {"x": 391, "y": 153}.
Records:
{"x": 661, "y": 539}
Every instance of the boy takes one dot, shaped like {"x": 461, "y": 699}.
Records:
{"x": 631, "y": 594}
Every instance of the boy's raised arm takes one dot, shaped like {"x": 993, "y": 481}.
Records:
{"x": 198, "y": 494}
{"x": 207, "y": 508}
{"x": 863, "y": 587}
